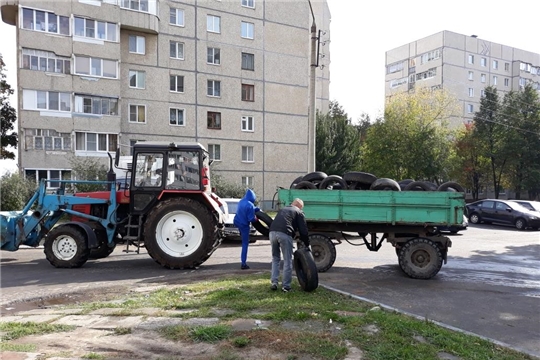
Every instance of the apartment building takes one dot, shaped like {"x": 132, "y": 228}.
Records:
{"x": 463, "y": 65}
{"x": 233, "y": 75}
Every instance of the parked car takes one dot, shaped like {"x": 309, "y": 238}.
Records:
{"x": 454, "y": 229}
{"x": 531, "y": 205}
{"x": 231, "y": 231}
{"x": 503, "y": 212}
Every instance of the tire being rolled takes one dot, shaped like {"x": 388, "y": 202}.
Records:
{"x": 180, "y": 233}
{"x": 306, "y": 270}
{"x": 263, "y": 223}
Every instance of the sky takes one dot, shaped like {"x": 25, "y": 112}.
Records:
{"x": 362, "y": 31}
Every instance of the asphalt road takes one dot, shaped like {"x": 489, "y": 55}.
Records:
{"x": 490, "y": 285}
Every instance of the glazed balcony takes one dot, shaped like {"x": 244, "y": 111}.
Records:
{"x": 140, "y": 15}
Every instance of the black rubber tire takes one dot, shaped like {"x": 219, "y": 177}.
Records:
{"x": 431, "y": 186}
{"x": 385, "y": 184}
{"x": 333, "y": 180}
{"x": 306, "y": 270}
{"x": 295, "y": 181}
{"x": 417, "y": 186}
{"x": 103, "y": 250}
{"x": 474, "y": 218}
{"x": 323, "y": 251}
{"x": 305, "y": 185}
{"x": 316, "y": 176}
{"x": 263, "y": 223}
{"x": 420, "y": 258}
{"x": 359, "y": 177}
{"x": 451, "y": 185}
{"x": 197, "y": 226}
{"x": 520, "y": 223}
{"x": 69, "y": 241}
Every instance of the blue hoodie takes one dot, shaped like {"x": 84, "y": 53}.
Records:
{"x": 245, "y": 213}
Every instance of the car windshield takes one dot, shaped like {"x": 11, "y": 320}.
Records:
{"x": 518, "y": 207}
{"x": 233, "y": 206}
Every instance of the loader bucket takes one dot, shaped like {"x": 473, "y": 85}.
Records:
{"x": 8, "y": 220}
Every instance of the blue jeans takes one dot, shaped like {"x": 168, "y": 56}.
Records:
{"x": 281, "y": 244}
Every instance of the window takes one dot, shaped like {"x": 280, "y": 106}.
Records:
{"x": 215, "y": 152}
{"x": 213, "y": 120}
{"x": 248, "y": 92}
{"x": 471, "y": 59}
{"x": 137, "y": 5}
{"x": 214, "y": 88}
{"x": 247, "y": 123}
{"x": 398, "y": 82}
{"x": 494, "y": 80}
{"x": 96, "y": 105}
{"x": 137, "y": 79}
{"x": 94, "y": 29}
{"x": 470, "y": 108}
{"x": 95, "y": 67}
{"x": 45, "y": 61}
{"x": 137, "y": 113}
{"x": 247, "y": 30}
{"x": 137, "y": 44}
{"x": 176, "y": 117}
{"x": 248, "y": 61}
{"x": 35, "y": 175}
{"x": 248, "y": 3}
{"x": 176, "y": 50}
{"x": 432, "y": 55}
{"x": 46, "y": 100}
{"x": 176, "y": 83}
{"x": 506, "y": 66}
{"x": 47, "y": 139}
{"x": 426, "y": 74}
{"x": 495, "y": 64}
{"x": 392, "y": 68}
{"x": 483, "y": 62}
{"x": 213, "y": 56}
{"x": 247, "y": 153}
{"x": 471, "y": 92}
{"x": 86, "y": 141}
{"x": 45, "y": 21}
{"x": 482, "y": 93}
{"x": 483, "y": 78}
{"x": 471, "y": 75}
{"x": 213, "y": 23}
{"x": 176, "y": 17}
{"x": 247, "y": 181}
{"x": 506, "y": 82}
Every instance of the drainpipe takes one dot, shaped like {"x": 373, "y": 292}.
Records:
{"x": 312, "y": 120}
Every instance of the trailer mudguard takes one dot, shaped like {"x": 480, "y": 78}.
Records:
{"x": 91, "y": 238}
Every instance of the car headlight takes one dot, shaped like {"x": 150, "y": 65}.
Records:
{"x": 533, "y": 217}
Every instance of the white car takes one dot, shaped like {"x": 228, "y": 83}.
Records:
{"x": 231, "y": 231}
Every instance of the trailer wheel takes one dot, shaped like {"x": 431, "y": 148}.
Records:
{"x": 323, "y": 251}
{"x": 420, "y": 258}
{"x": 65, "y": 247}
{"x": 180, "y": 233}
{"x": 306, "y": 270}
{"x": 103, "y": 250}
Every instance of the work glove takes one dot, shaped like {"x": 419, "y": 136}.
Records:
{"x": 257, "y": 209}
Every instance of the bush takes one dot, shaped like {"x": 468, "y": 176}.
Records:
{"x": 225, "y": 189}
{"x": 15, "y": 191}
{"x": 86, "y": 168}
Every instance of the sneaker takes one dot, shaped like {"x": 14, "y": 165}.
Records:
{"x": 286, "y": 289}
{"x": 244, "y": 267}
{"x": 273, "y": 287}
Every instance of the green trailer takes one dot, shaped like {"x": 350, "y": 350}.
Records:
{"x": 406, "y": 219}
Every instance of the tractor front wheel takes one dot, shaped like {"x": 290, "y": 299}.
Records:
{"x": 66, "y": 247}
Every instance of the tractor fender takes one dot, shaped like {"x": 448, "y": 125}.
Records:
{"x": 91, "y": 239}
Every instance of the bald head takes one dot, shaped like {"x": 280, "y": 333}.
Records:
{"x": 298, "y": 203}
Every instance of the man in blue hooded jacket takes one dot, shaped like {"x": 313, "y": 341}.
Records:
{"x": 245, "y": 214}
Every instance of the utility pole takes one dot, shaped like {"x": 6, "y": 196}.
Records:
{"x": 312, "y": 120}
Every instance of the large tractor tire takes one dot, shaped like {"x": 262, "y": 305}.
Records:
{"x": 357, "y": 180}
{"x": 103, "y": 250}
{"x": 323, "y": 251}
{"x": 66, "y": 247}
{"x": 180, "y": 233}
{"x": 263, "y": 223}
{"x": 333, "y": 182}
{"x": 306, "y": 270}
{"x": 420, "y": 258}
{"x": 385, "y": 184}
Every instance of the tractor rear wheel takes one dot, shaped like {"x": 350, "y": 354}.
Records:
{"x": 180, "y": 233}
{"x": 66, "y": 247}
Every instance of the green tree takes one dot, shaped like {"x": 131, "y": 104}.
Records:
{"x": 490, "y": 132}
{"x": 412, "y": 140}
{"x": 8, "y": 116}
{"x": 224, "y": 188}
{"x": 337, "y": 142}
{"x": 16, "y": 191}
{"x": 87, "y": 168}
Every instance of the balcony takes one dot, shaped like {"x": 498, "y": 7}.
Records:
{"x": 9, "y": 10}
{"x": 140, "y": 15}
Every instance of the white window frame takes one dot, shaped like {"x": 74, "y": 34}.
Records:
{"x": 137, "y": 106}
{"x": 177, "y": 12}
{"x": 48, "y": 57}
{"x": 213, "y": 56}
{"x": 247, "y": 30}
{"x": 470, "y": 108}
{"x": 212, "y": 151}
{"x": 247, "y": 181}
{"x": 483, "y": 62}
{"x": 177, "y": 111}
{"x": 176, "y": 77}
{"x": 46, "y": 21}
{"x": 111, "y": 35}
{"x": 248, "y": 123}
{"x": 471, "y": 75}
{"x": 139, "y": 76}
{"x": 483, "y": 78}
{"x": 79, "y": 58}
{"x": 471, "y": 92}
{"x": 471, "y": 59}
{"x": 31, "y": 98}
{"x": 249, "y": 154}
{"x": 80, "y": 107}
{"x": 506, "y": 82}
{"x": 494, "y": 80}
{"x": 495, "y": 65}
{"x": 248, "y": 3}
{"x": 214, "y": 83}
{"x": 51, "y": 184}
{"x": 213, "y": 24}
{"x": 482, "y": 93}
{"x": 136, "y": 5}
{"x": 177, "y": 46}
{"x": 140, "y": 41}
{"x": 109, "y": 146}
